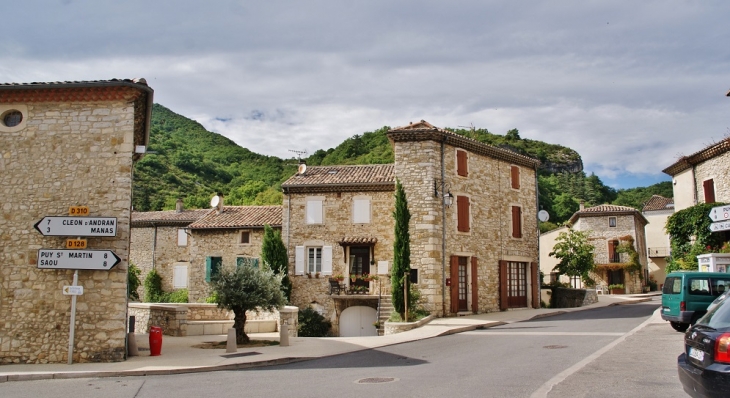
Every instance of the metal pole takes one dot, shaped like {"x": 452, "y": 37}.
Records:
{"x": 405, "y": 295}
{"x": 73, "y": 321}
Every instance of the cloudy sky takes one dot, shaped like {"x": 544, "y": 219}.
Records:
{"x": 631, "y": 85}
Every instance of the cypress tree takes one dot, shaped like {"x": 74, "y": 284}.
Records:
{"x": 273, "y": 255}
{"x": 401, "y": 249}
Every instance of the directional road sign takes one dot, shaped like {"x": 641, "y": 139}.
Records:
{"x": 98, "y": 260}
{"x": 720, "y": 226}
{"x": 73, "y": 290}
{"x": 77, "y": 226}
{"x": 720, "y": 213}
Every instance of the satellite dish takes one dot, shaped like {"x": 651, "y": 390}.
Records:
{"x": 215, "y": 201}
{"x": 543, "y": 215}
{"x": 302, "y": 168}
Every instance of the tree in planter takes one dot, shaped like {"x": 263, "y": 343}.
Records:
{"x": 241, "y": 289}
{"x": 401, "y": 250}
{"x": 575, "y": 255}
{"x": 273, "y": 255}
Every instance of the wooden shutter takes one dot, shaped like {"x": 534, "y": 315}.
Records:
{"x": 462, "y": 212}
{"x": 208, "y": 268}
{"x": 454, "y": 284}
{"x": 461, "y": 163}
{"x": 327, "y": 260}
{"x": 516, "y": 222}
{"x": 299, "y": 260}
{"x": 535, "y": 289}
{"x": 474, "y": 286}
{"x": 239, "y": 262}
{"x": 611, "y": 250}
{"x": 709, "y": 188}
{"x": 503, "y": 304}
{"x": 515, "y": 177}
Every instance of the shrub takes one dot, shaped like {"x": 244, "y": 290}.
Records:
{"x": 153, "y": 292}
{"x": 133, "y": 282}
{"x": 178, "y": 296}
{"x": 312, "y": 324}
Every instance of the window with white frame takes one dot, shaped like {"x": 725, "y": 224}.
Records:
{"x": 611, "y": 221}
{"x": 361, "y": 211}
{"x": 180, "y": 276}
{"x": 182, "y": 237}
{"x": 314, "y": 260}
{"x": 314, "y": 211}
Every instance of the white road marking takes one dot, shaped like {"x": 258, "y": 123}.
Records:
{"x": 544, "y": 389}
{"x": 544, "y": 333}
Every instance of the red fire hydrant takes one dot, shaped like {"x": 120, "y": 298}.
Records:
{"x": 155, "y": 340}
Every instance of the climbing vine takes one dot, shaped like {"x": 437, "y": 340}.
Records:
{"x": 690, "y": 235}
{"x": 632, "y": 265}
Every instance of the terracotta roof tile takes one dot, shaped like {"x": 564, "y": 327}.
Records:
{"x": 606, "y": 210}
{"x": 685, "y": 162}
{"x": 241, "y": 217}
{"x": 169, "y": 216}
{"x": 374, "y": 176}
{"x": 657, "y": 202}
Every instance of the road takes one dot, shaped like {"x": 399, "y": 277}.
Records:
{"x": 605, "y": 352}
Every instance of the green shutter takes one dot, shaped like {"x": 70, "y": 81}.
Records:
{"x": 255, "y": 262}
{"x": 215, "y": 268}
{"x": 239, "y": 262}
{"x": 208, "y": 268}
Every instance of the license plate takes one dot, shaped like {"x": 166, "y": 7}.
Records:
{"x": 696, "y": 354}
{"x": 666, "y": 309}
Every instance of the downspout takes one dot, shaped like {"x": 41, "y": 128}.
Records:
{"x": 694, "y": 182}
{"x": 443, "y": 231}
{"x": 154, "y": 246}
{"x": 537, "y": 206}
{"x": 288, "y": 224}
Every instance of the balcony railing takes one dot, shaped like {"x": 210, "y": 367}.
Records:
{"x": 604, "y": 258}
{"x": 658, "y": 252}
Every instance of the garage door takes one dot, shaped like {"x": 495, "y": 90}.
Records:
{"x": 358, "y": 321}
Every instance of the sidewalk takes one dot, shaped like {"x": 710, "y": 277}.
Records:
{"x": 178, "y": 355}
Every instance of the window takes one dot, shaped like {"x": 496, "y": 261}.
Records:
{"x": 515, "y": 177}
{"x": 245, "y": 237}
{"x": 314, "y": 260}
{"x": 612, "y": 222}
{"x": 414, "y": 275}
{"x": 12, "y": 118}
{"x": 699, "y": 287}
{"x": 361, "y": 211}
{"x": 180, "y": 276}
{"x": 212, "y": 267}
{"x": 516, "y": 222}
{"x": 462, "y": 213}
{"x": 672, "y": 285}
{"x": 182, "y": 237}
{"x": 462, "y": 164}
{"x": 613, "y": 255}
{"x": 314, "y": 211}
{"x": 709, "y": 188}
{"x": 244, "y": 261}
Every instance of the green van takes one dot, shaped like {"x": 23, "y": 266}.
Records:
{"x": 686, "y": 295}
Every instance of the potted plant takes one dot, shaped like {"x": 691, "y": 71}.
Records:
{"x": 339, "y": 277}
{"x": 366, "y": 277}
{"x": 353, "y": 278}
{"x": 617, "y": 288}
{"x": 316, "y": 275}
{"x": 309, "y": 275}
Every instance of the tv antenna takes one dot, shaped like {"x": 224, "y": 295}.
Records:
{"x": 470, "y": 127}
{"x": 299, "y": 154}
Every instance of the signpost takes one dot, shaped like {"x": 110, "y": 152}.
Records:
{"x": 95, "y": 260}
{"x": 720, "y": 226}
{"x": 73, "y": 290}
{"x": 720, "y": 213}
{"x": 77, "y": 226}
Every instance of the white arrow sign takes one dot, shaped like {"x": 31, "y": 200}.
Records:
{"x": 98, "y": 260}
{"x": 73, "y": 290}
{"x": 77, "y": 226}
{"x": 720, "y": 226}
{"x": 720, "y": 213}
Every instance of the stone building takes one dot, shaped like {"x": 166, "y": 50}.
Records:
{"x": 473, "y": 226}
{"x": 64, "y": 145}
{"x": 702, "y": 177}
{"x": 656, "y": 211}
{"x": 608, "y": 226}
{"x": 187, "y": 247}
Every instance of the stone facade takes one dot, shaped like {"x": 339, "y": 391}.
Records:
{"x": 74, "y": 147}
{"x": 690, "y": 172}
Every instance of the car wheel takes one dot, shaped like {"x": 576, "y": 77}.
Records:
{"x": 679, "y": 326}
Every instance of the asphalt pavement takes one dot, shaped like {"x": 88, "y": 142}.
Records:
{"x": 180, "y": 356}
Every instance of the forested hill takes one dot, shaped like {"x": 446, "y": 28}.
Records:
{"x": 187, "y": 161}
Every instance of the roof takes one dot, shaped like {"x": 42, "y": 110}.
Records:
{"x": 607, "y": 210}
{"x": 372, "y": 177}
{"x": 657, "y": 202}
{"x": 241, "y": 217}
{"x": 685, "y": 162}
{"x": 129, "y": 90}
{"x": 168, "y": 217}
{"x": 424, "y": 131}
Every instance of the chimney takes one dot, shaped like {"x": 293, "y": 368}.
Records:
{"x": 179, "y": 206}
{"x": 582, "y": 206}
{"x": 220, "y": 203}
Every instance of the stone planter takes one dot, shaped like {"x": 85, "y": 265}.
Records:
{"x": 618, "y": 291}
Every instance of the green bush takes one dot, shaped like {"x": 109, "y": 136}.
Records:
{"x": 153, "y": 292}
{"x": 312, "y": 323}
{"x": 178, "y": 296}
{"x": 133, "y": 282}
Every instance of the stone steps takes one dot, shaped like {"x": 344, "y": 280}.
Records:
{"x": 385, "y": 309}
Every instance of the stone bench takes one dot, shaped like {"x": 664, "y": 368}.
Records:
{"x": 199, "y": 328}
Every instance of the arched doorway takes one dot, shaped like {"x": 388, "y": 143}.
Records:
{"x": 358, "y": 321}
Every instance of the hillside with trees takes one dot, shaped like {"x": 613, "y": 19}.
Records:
{"x": 186, "y": 161}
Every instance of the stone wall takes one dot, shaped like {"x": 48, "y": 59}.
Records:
{"x": 156, "y": 247}
{"x": 571, "y": 298}
{"x": 67, "y": 154}
{"x": 717, "y": 170}
{"x": 338, "y": 223}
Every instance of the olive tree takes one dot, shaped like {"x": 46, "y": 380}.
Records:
{"x": 240, "y": 289}
{"x": 575, "y": 255}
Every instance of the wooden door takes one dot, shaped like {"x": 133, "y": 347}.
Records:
{"x": 516, "y": 284}
{"x": 360, "y": 263}
{"x": 462, "y": 284}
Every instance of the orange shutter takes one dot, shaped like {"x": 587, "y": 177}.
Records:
{"x": 515, "y": 176}
{"x": 474, "y": 286}
{"x": 503, "y": 305}
{"x": 709, "y": 187}
{"x": 611, "y": 251}
{"x": 454, "y": 284}
{"x": 462, "y": 211}
{"x": 461, "y": 163}
{"x": 535, "y": 289}
{"x": 516, "y": 222}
